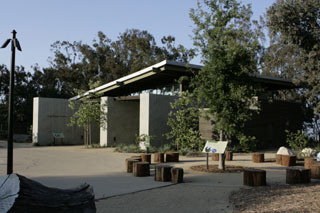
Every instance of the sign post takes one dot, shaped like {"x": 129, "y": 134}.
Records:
{"x": 218, "y": 147}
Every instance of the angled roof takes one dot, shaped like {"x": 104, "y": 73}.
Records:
{"x": 166, "y": 73}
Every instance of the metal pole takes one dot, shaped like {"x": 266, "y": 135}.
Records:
{"x": 207, "y": 160}
{"x": 10, "y": 109}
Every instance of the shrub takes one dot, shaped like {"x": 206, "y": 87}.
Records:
{"x": 248, "y": 143}
{"x": 297, "y": 141}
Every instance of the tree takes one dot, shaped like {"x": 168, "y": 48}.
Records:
{"x": 229, "y": 49}
{"x": 75, "y": 64}
{"x": 183, "y": 121}
{"x": 295, "y": 25}
{"x": 87, "y": 111}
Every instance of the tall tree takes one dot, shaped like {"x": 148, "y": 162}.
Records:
{"x": 229, "y": 47}
{"x": 75, "y": 64}
{"x": 295, "y": 25}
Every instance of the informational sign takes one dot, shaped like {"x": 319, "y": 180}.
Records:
{"x": 58, "y": 135}
{"x": 218, "y": 147}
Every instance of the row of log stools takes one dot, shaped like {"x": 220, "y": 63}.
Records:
{"x": 140, "y": 167}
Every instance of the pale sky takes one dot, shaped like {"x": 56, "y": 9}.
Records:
{"x": 40, "y": 23}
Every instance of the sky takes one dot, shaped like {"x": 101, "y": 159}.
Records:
{"x": 39, "y": 23}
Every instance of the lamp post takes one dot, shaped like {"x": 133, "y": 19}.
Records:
{"x": 14, "y": 44}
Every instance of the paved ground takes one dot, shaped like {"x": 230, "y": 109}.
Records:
{"x": 118, "y": 191}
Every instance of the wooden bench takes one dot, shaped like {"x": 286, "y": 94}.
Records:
{"x": 141, "y": 169}
{"x": 215, "y": 156}
{"x": 162, "y": 173}
{"x": 315, "y": 170}
{"x": 257, "y": 157}
{"x": 129, "y": 164}
{"x": 308, "y": 162}
{"x": 254, "y": 177}
{"x": 297, "y": 175}
{"x": 229, "y": 155}
{"x": 288, "y": 160}
{"x": 146, "y": 158}
{"x": 177, "y": 175}
{"x": 172, "y": 156}
{"x": 158, "y": 157}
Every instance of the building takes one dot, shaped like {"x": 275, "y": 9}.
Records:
{"x": 139, "y": 103}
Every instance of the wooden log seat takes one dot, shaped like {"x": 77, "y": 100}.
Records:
{"x": 229, "y": 156}
{"x": 177, "y": 175}
{"x": 315, "y": 170}
{"x": 136, "y": 157}
{"x": 254, "y": 177}
{"x": 278, "y": 159}
{"x": 146, "y": 158}
{"x": 141, "y": 169}
{"x": 257, "y": 157}
{"x": 215, "y": 157}
{"x": 308, "y": 162}
{"x": 172, "y": 156}
{"x": 20, "y": 194}
{"x": 162, "y": 173}
{"x": 129, "y": 164}
{"x": 158, "y": 157}
{"x": 298, "y": 175}
{"x": 288, "y": 160}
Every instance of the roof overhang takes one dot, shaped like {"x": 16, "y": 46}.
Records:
{"x": 166, "y": 73}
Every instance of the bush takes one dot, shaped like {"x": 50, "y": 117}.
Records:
{"x": 248, "y": 143}
{"x": 297, "y": 141}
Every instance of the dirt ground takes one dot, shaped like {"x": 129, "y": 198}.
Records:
{"x": 118, "y": 191}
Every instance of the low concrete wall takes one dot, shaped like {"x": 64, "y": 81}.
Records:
{"x": 51, "y": 115}
{"x": 154, "y": 110}
{"x": 122, "y": 122}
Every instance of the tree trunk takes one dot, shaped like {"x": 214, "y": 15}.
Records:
{"x": 221, "y": 156}
{"x": 129, "y": 164}
{"x": 158, "y": 157}
{"x": 141, "y": 169}
{"x": 308, "y": 163}
{"x": 35, "y": 197}
{"x": 258, "y": 157}
{"x": 298, "y": 175}
{"x": 315, "y": 171}
{"x": 146, "y": 158}
{"x": 162, "y": 173}
{"x": 172, "y": 156}
{"x": 254, "y": 177}
{"x": 278, "y": 159}
{"x": 288, "y": 160}
{"x": 177, "y": 175}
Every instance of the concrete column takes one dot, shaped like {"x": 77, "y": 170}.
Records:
{"x": 154, "y": 110}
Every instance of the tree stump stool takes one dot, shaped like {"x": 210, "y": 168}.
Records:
{"x": 257, "y": 157}
{"x": 315, "y": 170}
{"x": 308, "y": 162}
{"x": 172, "y": 157}
{"x": 177, "y": 175}
{"x": 146, "y": 158}
{"x": 162, "y": 173}
{"x": 141, "y": 169}
{"x": 158, "y": 157}
{"x": 129, "y": 164}
{"x": 298, "y": 175}
{"x": 229, "y": 156}
{"x": 20, "y": 194}
{"x": 215, "y": 157}
{"x": 254, "y": 177}
{"x": 288, "y": 160}
{"x": 278, "y": 159}
{"x": 136, "y": 157}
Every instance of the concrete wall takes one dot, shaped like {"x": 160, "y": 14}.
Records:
{"x": 268, "y": 126}
{"x": 122, "y": 122}
{"x": 154, "y": 110}
{"x": 51, "y": 115}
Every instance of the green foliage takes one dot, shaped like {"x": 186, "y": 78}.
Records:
{"x": 229, "y": 48}
{"x": 88, "y": 110}
{"x": 131, "y": 148}
{"x": 295, "y": 51}
{"x": 248, "y": 143}
{"x": 165, "y": 148}
{"x": 143, "y": 137}
{"x": 183, "y": 121}
{"x": 297, "y": 141}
